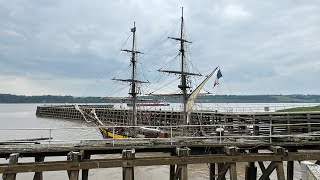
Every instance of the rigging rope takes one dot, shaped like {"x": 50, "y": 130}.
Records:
{"x": 157, "y": 44}
{"x": 106, "y": 69}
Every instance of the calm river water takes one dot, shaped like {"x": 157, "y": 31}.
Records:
{"x": 14, "y": 117}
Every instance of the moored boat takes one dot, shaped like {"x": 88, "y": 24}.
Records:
{"x": 150, "y": 104}
{"x": 129, "y": 128}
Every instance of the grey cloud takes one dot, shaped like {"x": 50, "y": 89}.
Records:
{"x": 261, "y": 45}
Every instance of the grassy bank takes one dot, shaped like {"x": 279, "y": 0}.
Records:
{"x": 299, "y": 109}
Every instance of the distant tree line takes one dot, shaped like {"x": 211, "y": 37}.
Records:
{"x": 260, "y": 99}
{"x": 9, "y": 98}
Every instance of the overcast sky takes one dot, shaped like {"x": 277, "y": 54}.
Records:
{"x": 72, "y": 47}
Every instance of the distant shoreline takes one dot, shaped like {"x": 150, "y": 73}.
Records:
{"x": 9, "y": 98}
{"x": 301, "y": 109}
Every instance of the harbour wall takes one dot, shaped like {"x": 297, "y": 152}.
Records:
{"x": 244, "y": 123}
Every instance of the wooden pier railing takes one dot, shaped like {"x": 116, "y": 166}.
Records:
{"x": 222, "y": 159}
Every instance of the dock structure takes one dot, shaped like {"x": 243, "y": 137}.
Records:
{"x": 222, "y": 158}
{"x": 265, "y": 140}
{"x": 259, "y": 123}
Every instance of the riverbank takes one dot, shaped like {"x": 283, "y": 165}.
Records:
{"x": 301, "y": 109}
{"x": 9, "y": 98}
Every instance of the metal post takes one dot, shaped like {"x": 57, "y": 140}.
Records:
{"x": 50, "y": 136}
{"x": 220, "y": 135}
{"x": 113, "y": 136}
{"x": 270, "y": 134}
{"x": 171, "y": 135}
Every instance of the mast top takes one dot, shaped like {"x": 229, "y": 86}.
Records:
{"x": 182, "y": 12}
{"x": 134, "y": 27}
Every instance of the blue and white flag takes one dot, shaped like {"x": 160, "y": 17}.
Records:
{"x": 216, "y": 82}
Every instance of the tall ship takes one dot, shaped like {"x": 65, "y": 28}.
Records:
{"x": 186, "y": 93}
{"x": 135, "y": 123}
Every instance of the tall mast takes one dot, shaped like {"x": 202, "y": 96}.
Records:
{"x": 183, "y": 85}
{"x": 133, "y": 92}
{"x": 184, "y": 72}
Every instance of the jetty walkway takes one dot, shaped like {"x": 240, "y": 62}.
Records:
{"x": 222, "y": 153}
{"x": 258, "y": 123}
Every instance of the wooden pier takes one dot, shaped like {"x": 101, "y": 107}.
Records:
{"x": 222, "y": 158}
{"x": 258, "y": 123}
{"x": 253, "y": 138}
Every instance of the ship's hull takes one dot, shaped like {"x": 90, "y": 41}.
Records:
{"x": 109, "y": 134}
{"x": 142, "y": 133}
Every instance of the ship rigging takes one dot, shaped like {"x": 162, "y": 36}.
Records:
{"x": 188, "y": 95}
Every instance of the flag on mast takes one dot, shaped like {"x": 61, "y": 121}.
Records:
{"x": 216, "y": 82}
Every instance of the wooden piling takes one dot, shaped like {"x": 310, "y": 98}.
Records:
{"x": 280, "y": 170}
{"x": 224, "y": 155}
{"x": 222, "y": 170}
{"x": 263, "y": 170}
{"x": 13, "y": 160}
{"x": 85, "y": 172}
{"x": 38, "y": 175}
{"x": 251, "y": 169}
{"x": 278, "y": 165}
{"x": 182, "y": 169}
{"x": 128, "y": 170}
{"x": 290, "y": 170}
{"x": 74, "y": 157}
{"x": 233, "y": 171}
{"x": 172, "y": 168}
{"x": 212, "y": 171}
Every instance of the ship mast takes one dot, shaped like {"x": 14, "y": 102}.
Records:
{"x": 183, "y": 86}
{"x": 184, "y": 71}
{"x": 133, "y": 92}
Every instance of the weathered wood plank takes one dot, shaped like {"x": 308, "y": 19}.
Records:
{"x": 128, "y": 168}
{"x": 231, "y": 150}
{"x": 263, "y": 169}
{"x": 85, "y": 172}
{"x": 212, "y": 171}
{"x": 233, "y": 171}
{"x": 280, "y": 170}
{"x": 268, "y": 171}
{"x": 38, "y": 175}
{"x": 154, "y": 161}
{"x": 13, "y": 160}
{"x": 74, "y": 157}
{"x": 290, "y": 170}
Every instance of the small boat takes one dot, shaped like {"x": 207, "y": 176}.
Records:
{"x": 150, "y": 104}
